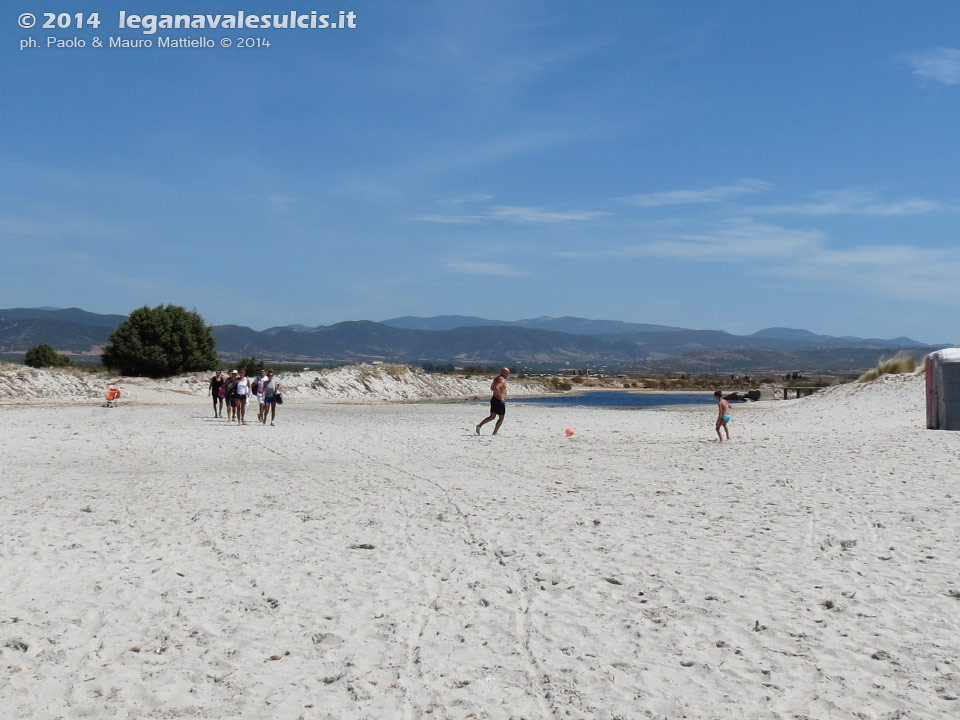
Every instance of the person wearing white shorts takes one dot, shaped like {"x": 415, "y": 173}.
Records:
{"x": 261, "y": 381}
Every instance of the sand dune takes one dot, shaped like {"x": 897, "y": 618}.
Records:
{"x": 382, "y": 561}
{"x": 367, "y": 383}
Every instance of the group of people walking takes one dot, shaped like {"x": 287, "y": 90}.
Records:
{"x": 235, "y": 388}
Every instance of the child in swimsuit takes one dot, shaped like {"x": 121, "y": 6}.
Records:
{"x": 723, "y": 416}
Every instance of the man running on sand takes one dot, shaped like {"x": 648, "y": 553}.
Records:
{"x": 723, "y": 416}
{"x": 498, "y": 403}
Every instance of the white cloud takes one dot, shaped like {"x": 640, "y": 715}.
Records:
{"x": 451, "y": 219}
{"x": 280, "y": 203}
{"x": 740, "y": 240}
{"x": 56, "y": 228}
{"x": 538, "y": 215}
{"x": 854, "y": 202}
{"x": 509, "y": 213}
{"x": 715, "y": 194}
{"x": 941, "y": 64}
{"x": 368, "y": 189}
{"x": 503, "y": 60}
{"x": 464, "y": 199}
{"x": 903, "y": 271}
{"x": 442, "y": 158}
{"x": 484, "y": 268}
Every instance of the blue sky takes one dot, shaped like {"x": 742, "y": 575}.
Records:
{"x": 725, "y": 165}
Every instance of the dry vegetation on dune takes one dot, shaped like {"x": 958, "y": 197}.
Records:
{"x": 899, "y": 364}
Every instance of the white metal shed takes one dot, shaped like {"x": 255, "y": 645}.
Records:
{"x": 943, "y": 389}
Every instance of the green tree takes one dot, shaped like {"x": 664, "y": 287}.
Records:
{"x": 44, "y": 356}
{"x": 253, "y": 366}
{"x": 160, "y": 342}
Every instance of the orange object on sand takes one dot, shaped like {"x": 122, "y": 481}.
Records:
{"x": 112, "y": 394}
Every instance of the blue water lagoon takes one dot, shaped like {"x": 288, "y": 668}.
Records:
{"x": 617, "y": 399}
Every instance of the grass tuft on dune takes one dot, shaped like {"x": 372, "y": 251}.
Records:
{"x": 900, "y": 363}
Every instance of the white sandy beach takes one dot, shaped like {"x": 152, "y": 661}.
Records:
{"x": 379, "y": 560}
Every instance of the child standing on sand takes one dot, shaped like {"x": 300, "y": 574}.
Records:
{"x": 723, "y": 416}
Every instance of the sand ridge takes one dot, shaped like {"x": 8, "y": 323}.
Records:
{"x": 352, "y": 383}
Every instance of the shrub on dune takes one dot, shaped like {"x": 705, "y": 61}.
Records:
{"x": 45, "y": 356}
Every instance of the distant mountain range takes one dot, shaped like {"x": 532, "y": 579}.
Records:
{"x": 581, "y": 326}
{"x": 575, "y": 326}
{"x": 70, "y": 331}
{"x": 541, "y": 343}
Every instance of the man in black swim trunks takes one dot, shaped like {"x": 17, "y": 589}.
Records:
{"x": 498, "y": 403}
